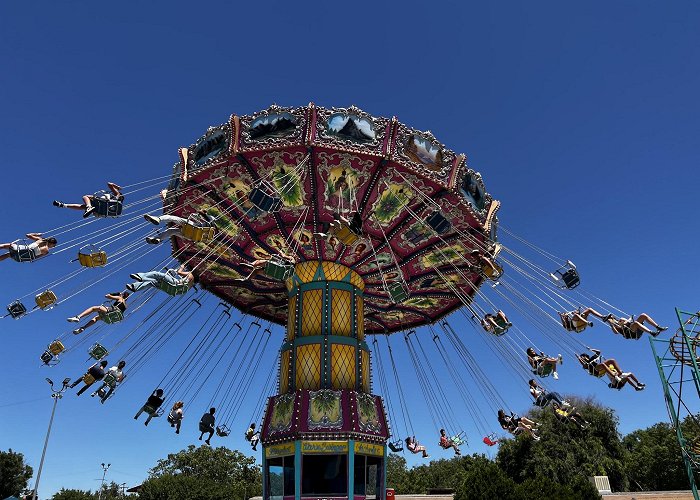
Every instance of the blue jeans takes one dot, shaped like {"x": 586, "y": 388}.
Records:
{"x": 151, "y": 279}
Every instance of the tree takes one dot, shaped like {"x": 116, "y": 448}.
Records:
{"x": 565, "y": 451}
{"x": 397, "y": 474}
{"x": 655, "y": 462}
{"x": 204, "y": 473}
{"x": 71, "y": 494}
{"x": 14, "y": 474}
{"x": 484, "y": 480}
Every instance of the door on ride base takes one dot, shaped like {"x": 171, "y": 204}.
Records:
{"x": 368, "y": 477}
{"x": 281, "y": 478}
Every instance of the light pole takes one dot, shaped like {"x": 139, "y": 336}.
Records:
{"x": 105, "y": 468}
{"x": 56, "y": 394}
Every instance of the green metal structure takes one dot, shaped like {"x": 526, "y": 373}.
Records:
{"x": 677, "y": 361}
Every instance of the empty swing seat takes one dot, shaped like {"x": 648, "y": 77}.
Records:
{"x": 345, "y": 235}
{"x": 45, "y": 300}
{"x": 113, "y": 315}
{"x": 91, "y": 256}
{"x": 106, "y": 205}
{"x": 278, "y": 268}
{"x": 566, "y": 276}
{"x": 16, "y": 309}
{"x": 438, "y": 223}
{"x": 263, "y": 200}
{"x": 222, "y": 430}
{"x": 50, "y": 356}
{"x": 56, "y": 347}
{"x": 395, "y": 446}
{"x": 98, "y": 351}
{"x": 192, "y": 232}
{"x": 398, "y": 291}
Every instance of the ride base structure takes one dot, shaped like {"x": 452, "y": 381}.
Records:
{"x": 678, "y": 362}
{"x": 324, "y": 421}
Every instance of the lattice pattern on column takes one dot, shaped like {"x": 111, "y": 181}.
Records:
{"x": 308, "y": 367}
{"x": 360, "y": 312}
{"x": 342, "y": 366}
{"x": 341, "y": 319}
{"x": 284, "y": 371}
{"x": 366, "y": 385}
{"x": 312, "y": 312}
{"x": 292, "y": 317}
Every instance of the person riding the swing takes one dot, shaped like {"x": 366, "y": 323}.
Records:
{"x": 577, "y": 321}
{"x": 569, "y": 415}
{"x": 633, "y": 329}
{"x": 496, "y": 323}
{"x": 415, "y": 447}
{"x": 116, "y": 375}
{"x": 259, "y": 265}
{"x": 542, "y": 364}
{"x": 153, "y": 404}
{"x": 596, "y": 366}
{"x": 486, "y": 264}
{"x": 118, "y": 304}
{"x": 447, "y": 443}
{"x": 19, "y": 252}
{"x": 542, "y": 397}
{"x": 175, "y": 223}
{"x": 176, "y": 415}
{"x": 94, "y": 374}
{"x": 151, "y": 279}
{"x": 114, "y": 194}
{"x": 517, "y": 425}
{"x": 252, "y": 436}
{"x": 206, "y": 425}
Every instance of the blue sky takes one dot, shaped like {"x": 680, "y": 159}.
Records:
{"x": 582, "y": 119}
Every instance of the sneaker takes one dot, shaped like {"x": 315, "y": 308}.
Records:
{"x": 152, "y": 241}
{"x": 74, "y": 319}
{"x": 135, "y": 277}
{"x": 152, "y": 219}
{"x": 78, "y": 331}
{"x": 661, "y": 329}
{"x": 555, "y": 375}
{"x": 590, "y": 323}
{"x": 88, "y": 212}
{"x": 560, "y": 359}
{"x": 566, "y": 404}
{"x": 130, "y": 287}
{"x": 57, "y": 203}
{"x": 639, "y": 388}
{"x": 207, "y": 441}
{"x": 177, "y": 431}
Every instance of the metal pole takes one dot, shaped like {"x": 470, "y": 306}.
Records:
{"x": 104, "y": 473}
{"x": 56, "y": 396}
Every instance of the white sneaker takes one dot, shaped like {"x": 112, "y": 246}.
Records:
{"x": 560, "y": 359}
{"x": 74, "y": 319}
{"x": 555, "y": 375}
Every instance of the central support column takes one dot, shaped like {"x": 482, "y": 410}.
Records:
{"x": 324, "y": 434}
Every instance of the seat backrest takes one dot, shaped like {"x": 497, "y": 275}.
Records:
{"x": 105, "y": 206}
{"x": 91, "y": 256}
{"x": 45, "y": 300}
{"x": 571, "y": 278}
{"x": 111, "y": 316}
{"x": 98, "y": 351}
{"x": 21, "y": 253}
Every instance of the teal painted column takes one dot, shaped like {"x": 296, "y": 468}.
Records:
{"x": 381, "y": 495}
{"x": 351, "y": 469}
{"x": 265, "y": 493}
{"x": 297, "y": 470}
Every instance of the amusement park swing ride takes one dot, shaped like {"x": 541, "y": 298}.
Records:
{"x": 348, "y": 231}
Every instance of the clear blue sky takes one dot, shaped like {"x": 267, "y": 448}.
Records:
{"x": 583, "y": 120}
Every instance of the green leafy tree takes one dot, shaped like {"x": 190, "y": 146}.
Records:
{"x": 397, "y": 474}
{"x": 14, "y": 473}
{"x": 484, "y": 480}
{"x": 565, "y": 451}
{"x": 545, "y": 487}
{"x": 655, "y": 462}
{"x": 204, "y": 473}
{"x": 70, "y": 494}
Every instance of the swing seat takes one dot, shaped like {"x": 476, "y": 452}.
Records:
{"x": 193, "y": 232}
{"x": 457, "y": 439}
{"x": 98, "y": 351}
{"x": 113, "y": 315}
{"x": 152, "y": 411}
{"x": 263, "y": 200}
{"x": 88, "y": 379}
{"x": 20, "y": 251}
{"x": 105, "y": 205}
{"x": 398, "y": 291}
{"x": 91, "y": 256}
{"x": 438, "y": 223}
{"x": 566, "y": 276}
{"x": 502, "y": 326}
{"x": 179, "y": 288}
{"x": 56, "y": 347}
{"x": 222, "y": 430}
{"x": 16, "y": 309}
{"x": 48, "y": 359}
{"x": 493, "y": 273}
{"x": 396, "y": 446}
{"x": 110, "y": 380}
{"x": 46, "y": 300}
{"x": 345, "y": 235}
{"x": 544, "y": 370}
{"x": 488, "y": 441}
{"x": 278, "y": 268}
